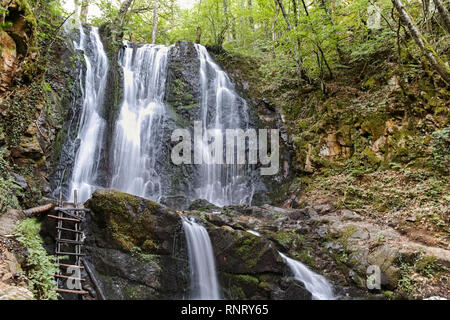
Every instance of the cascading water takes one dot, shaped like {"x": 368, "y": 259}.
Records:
{"x": 204, "y": 284}
{"x": 316, "y": 284}
{"x": 221, "y": 108}
{"x": 92, "y": 125}
{"x": 138, "y": 133}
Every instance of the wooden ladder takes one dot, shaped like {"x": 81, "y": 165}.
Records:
{"x": 69, "y": 247}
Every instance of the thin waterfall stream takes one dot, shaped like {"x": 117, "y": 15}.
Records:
{"x": 92, "y": 125}
{"x": 317, "y": 285}
{"x": 221, "y": 108}
{"x": 204, "y": 283}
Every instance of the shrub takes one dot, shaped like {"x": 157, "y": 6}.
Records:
{"x": 39, "y": 266}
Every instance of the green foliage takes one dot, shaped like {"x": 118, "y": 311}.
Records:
{"x": 428, "y": 266}
{"x": 40, "y": 267}
{"x": 8, "y": 189}
{"x": 441, "y": 150}
{"x": 8, "y": 192}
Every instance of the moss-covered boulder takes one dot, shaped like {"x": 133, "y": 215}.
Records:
{"x": 131, "y": 221}
{"x": 136, "y": 247}
{"x": 244, "y": 253}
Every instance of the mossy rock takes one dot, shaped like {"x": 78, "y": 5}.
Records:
{"x": 374, "y": 124}
{"x": 242, "y": 252}
{"x": 242, "y": 286}
{"x": 133, "y": 221}
{"x": 203, "y": 205}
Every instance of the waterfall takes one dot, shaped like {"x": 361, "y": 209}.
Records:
{"x": 204, "y": 284}
{"x": 316, "y": 284}
{"x": 92, "y": 125}
{"x": 138, "y": 134}
{"x": 221, "y": 108}
{"x": 133, "y": 159}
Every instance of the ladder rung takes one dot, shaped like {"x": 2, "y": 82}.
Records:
{"x": 69, "y": 241}
{"x": 71, "y": 230}
{"x": 69, "y": 253}
{"x": 69, "y": 277}
{"x": 70, "y": 266}
{"x": 72, "y": 209}
{"x": 73, "y": 216}
{"x": 63, "y": 218}
{"x": 72, "y": 291}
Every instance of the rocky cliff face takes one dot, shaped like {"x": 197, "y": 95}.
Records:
{"x": 33, "y": 106}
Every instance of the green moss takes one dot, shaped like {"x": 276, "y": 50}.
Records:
{"x": 190, "y": 106}
{"x": 305, "y": 256}
{"x": 138, "y": 292}
{"x": 370, "y": 83}
{"x": 246, "y": 248}
{"x": 237, "y": 293}
{"x": 289, "y": 239}
{"x": 242, "y": 286}
{"x": 374, "y": 124}
{"x": 371, "y": 157}
{"x": 8, "y": 194}
{"x": 247, "y": 279}
{"x": 145, "y": 257}
{"x": 128, "y": 218}
{"x": 428, "y": 266}
{"x": 39, "y": 266}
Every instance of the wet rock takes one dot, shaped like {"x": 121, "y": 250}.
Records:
{"x": 203, "y": 205}
{"x": 244, "y": 253}
{"x": 292, "y": 290}
{"x": 175, "y": 202}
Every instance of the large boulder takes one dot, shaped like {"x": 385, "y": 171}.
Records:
{"x": 244, "y": 253}
{"x": 135, "y": 247}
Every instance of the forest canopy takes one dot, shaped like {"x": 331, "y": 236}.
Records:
{"x": 312, "y": 38}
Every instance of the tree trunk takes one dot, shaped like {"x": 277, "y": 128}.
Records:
{"x": 155, "y": 24}
{"x": 250, "y": 18}
{"x": 84, "y": 11}
{"x": 199, "y": 34}
{"x": 324, "y": 59}
{"x": 444, "y": 13}
{"x": 422, "y": 43}
{"x": 274, "y": 35}
{"x": 302, "y": 73}
{"x": 118, "y": 23}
